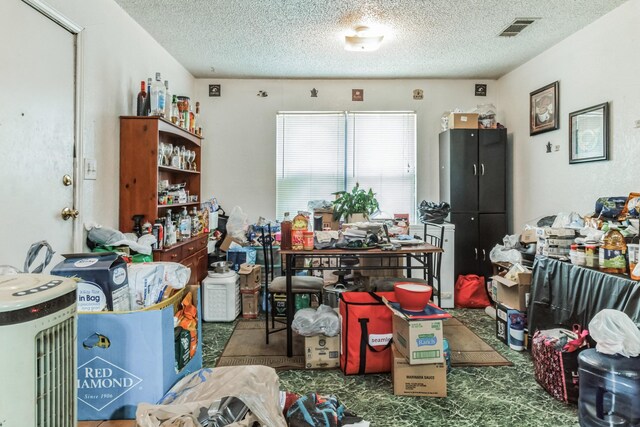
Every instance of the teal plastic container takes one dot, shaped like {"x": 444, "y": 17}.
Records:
{"x": 447, "y": 354}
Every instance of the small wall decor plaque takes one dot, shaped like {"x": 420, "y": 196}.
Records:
{"x": 314, "y": 93}
{"x": 418, "y": 94}
{"x": 214, "y": 90}
{"x": 357, "y": 94}
{"x": 481, "y": 89}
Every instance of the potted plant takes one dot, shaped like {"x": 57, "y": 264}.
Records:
{"x": 356, "y": 201}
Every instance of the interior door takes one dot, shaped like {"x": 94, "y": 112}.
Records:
{"x": 36, "y": 132}
{"x": 492, "y": 152}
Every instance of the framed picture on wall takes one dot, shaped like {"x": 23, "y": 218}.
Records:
{"x": 544, "y": 109}
{"x": 589, "y": 134}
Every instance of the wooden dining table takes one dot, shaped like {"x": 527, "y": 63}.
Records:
{"x": 415, "y": 257}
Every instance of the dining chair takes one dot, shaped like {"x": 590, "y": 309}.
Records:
{"x": 278, "y": 285}
{"x": 434, "y": 235}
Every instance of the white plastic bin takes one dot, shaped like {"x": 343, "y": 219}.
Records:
{"x": 221, "y": 297}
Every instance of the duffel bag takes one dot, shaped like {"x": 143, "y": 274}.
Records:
{"x": 366, "y": 332}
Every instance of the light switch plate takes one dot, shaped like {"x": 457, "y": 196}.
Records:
{"x": 90, "y": 169}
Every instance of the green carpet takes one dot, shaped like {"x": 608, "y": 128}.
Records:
{"x": 487, "y": 396}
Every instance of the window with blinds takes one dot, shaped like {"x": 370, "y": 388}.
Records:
{"x": 320, "y": 153}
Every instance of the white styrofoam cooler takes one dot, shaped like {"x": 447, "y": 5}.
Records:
{"x": 221, "y": 297}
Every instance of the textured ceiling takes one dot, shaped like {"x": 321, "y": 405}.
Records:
{"x": 304, "y": 38}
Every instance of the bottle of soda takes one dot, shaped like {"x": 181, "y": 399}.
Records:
{"x": 285, "y": 232}
{"x": 613, "y": 253}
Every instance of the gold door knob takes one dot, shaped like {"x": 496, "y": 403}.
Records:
{"x": 69, "y": 213}
{"x": 67, "y": 181}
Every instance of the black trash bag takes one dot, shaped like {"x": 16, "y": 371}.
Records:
{"x": 433, "y": 212}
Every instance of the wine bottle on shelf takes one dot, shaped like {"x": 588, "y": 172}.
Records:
{"x": 147, "y": 102}
{"x": 196, "y": 120}
{"x": 157, "y": 97}
{"x": 142, "y": 99}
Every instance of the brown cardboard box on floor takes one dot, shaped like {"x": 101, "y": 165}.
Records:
{"x": 322, "y": 352}
{"x": 417, "y": 380}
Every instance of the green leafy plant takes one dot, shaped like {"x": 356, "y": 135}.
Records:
{"x": 355, "y": 201}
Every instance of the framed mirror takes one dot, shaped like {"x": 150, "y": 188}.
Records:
{"x": 589, "y": 134}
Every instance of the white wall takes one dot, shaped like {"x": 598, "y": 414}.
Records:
{"x": 117, "y": 55}
{"x": 240, "y": 129}
{"x": 598, "y": 63}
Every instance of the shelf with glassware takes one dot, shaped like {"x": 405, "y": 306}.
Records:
{"x": 160, "y": 176}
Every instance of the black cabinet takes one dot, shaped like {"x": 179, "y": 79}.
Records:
{"x": 473, "y": 181}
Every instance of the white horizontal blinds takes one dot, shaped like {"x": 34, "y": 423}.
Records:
{"x": 310, "y": 159}
{"x": 381, "y": 154}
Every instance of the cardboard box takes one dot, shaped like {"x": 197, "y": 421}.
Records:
{"x": 130, "y": 357}
{"x": 513, "y": 294}
{"x": 510, "y": 327}
{"x": 322, "y": 352}
{"x": 417, "y": 380}
{"x": 529, "y": 236}
{"x": 463, "y": 121}
{"x": 104, "y": 283}
{"x": 250, "y": 277}
{"x": 328, "y": 223}
{"x": 420, "y": 341}
{"x": 226, "y": 243}
{"x": 250, "y": 303}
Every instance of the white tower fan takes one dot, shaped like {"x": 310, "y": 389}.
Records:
{"x": 37, "y": 351}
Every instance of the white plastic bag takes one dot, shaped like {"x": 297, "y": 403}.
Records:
{"x": 237, "y": 224}
{"x": 323, "y": 321}
{"x": 615, "y": 333}
{"x": 500, "y": 254}
{"x": 257, "y": 386}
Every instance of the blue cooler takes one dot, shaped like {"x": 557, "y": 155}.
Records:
{"x": 609, "y": 390}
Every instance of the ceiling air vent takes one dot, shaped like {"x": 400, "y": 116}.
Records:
{"x": 517, "y": 26}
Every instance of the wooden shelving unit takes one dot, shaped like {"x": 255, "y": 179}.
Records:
{"x": 140, "y": 173}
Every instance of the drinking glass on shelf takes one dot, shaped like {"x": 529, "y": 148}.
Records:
{"x": 168, "y": 150}
{"x": 193, "y": 161}
{"x": 175, "y": 159}
{"x": 183, "y": 155}
{"x": 161, "y": 154}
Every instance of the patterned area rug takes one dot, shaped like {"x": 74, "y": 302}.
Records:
{"x": 247, "y": 346}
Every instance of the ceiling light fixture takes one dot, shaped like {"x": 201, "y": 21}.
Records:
{"x": 363, "y": 40}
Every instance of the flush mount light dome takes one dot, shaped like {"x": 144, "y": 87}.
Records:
{"x": 363, "y": 40}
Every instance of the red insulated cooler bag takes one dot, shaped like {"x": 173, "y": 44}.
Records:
{"x": 470, "y": 292}
{"x": 366, "y": 332}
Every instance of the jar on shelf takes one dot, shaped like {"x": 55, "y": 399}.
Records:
{"x": 307, "y": 240}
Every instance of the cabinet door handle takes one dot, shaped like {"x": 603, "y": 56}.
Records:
{"x": 174, "y": 255}
{"x": 484, "y": 255}
{"x": 475, "y": 250}
{"x": 481, "y": 168}
{"x": 190, "y": 249}
{"x": 475, "y": 169}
